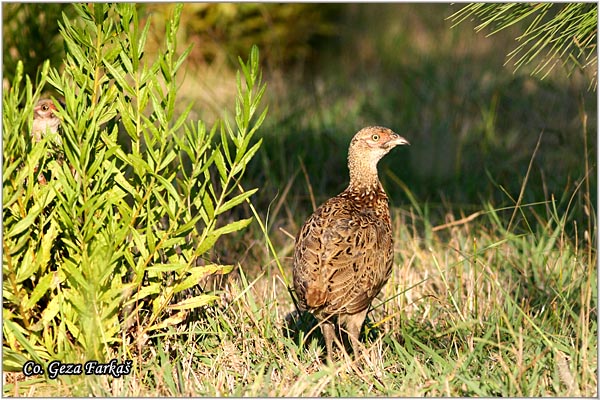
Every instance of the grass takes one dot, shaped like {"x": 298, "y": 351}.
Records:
{"x": 494, "y": 290}
{"x": 475, "y": 312}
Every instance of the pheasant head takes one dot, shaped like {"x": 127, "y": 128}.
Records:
{"x": 45, "y": 121}
{"x": 367, "y": 147}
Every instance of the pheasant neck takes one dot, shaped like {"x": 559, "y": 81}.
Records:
{"x": 363, "y": 174}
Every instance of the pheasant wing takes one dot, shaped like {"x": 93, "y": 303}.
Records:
{"x": 342, "y": 259}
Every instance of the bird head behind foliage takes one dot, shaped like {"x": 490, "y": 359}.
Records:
{"x": 45, "y": 121}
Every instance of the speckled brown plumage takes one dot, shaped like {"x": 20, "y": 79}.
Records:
{"x": 344, "y": 251}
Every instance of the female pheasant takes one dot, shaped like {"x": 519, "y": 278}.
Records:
{"x": 44, "y": 121}
{"x": 344, "y": 251}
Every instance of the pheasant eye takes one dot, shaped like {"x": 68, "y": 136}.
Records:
{"x": 375, "y": 137}
{"x": 45, "y": 107}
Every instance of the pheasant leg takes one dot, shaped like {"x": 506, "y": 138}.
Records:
{"x": 353, "y": 325}
{"x": 329, "y": 333}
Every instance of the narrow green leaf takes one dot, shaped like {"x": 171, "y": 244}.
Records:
{"x": 198, "y": 273}
{"x": 127, "y": 62}
{"x": 27, "y": 345}
{"x": 29, "y": 219}
{"x": 182, "y": 58}
{"x": 171, "y": 321}
{"x": 167, "y": 185}
{"x": 220, "y": 163}
{"x": 206, "y": 244}
{"x": 235, "y": 201}
{"x": 52, "y": 309}
{"x": 28, "y": 266}
{"x": 75, "y": 276}
{"x": 167, "y": 159}
{"x": 195, "y": 302}
{"x": 226, "y": 131}
{"x": 243, "y": 162}
{"x": 208, "y": 205}
{"x": 39, "y": 290}
{"x": 118, "y": 76}
{"x": 233, "y": 227}
{"x": 12, "y": 361}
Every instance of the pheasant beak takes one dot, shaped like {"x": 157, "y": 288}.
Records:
{"x": 396, "y": 140}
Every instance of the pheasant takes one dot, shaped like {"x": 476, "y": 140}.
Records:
{"x": 344, "y": 251}
{"x": 44, "y": 121}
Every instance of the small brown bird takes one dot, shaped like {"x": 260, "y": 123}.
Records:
{"x": 45, "y": 122}
{"x": 344, "y": 251}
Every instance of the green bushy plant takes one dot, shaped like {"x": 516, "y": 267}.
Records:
{"x": 135, "y": 197}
